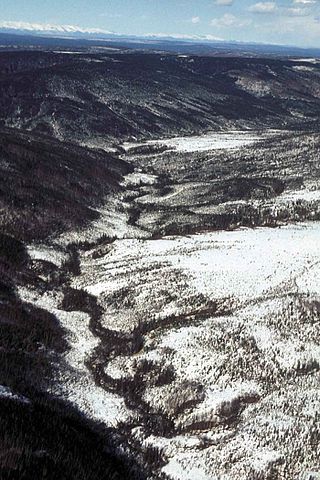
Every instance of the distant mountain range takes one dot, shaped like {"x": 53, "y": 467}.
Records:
{"x": 72, "y": 31}
{"x": 31, "y": 35}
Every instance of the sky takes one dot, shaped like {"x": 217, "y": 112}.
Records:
{"x": 288, "y": 22}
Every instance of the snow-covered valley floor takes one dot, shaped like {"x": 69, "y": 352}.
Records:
{"x": 210, "y": 141}
{"x": 229, "y": 321}
{"x": 202, "y": 350}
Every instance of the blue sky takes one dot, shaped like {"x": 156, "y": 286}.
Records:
{"x": 295, "y": 22}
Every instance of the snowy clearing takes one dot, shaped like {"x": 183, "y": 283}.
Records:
{"x": 269, "y": 278}
{"x": 209, "y": 141}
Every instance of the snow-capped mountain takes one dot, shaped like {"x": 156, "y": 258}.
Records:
{"x": 75, "y": 31}
{"x": 50, "y": 29}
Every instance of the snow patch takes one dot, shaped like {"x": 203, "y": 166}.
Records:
{"x": 6, "y": 392}
{"x": 209, "y": 141}
{"x": 48, "y": 254}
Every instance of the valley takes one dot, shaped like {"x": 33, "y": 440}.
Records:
{"x": 159, "y": 291}
{"x": 190, "y": 343}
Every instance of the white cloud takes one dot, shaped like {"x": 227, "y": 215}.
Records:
{"x": 283, "y": 30}
{"x": 272, "y": 7}
{"x": 224, "y": 2}
{"x": 229, "y": 20}
{"x": 195, "y": 20}
{"x": 304, "y": 2}
{"x": 111, "y": 15}
{"x": 263, "y": 7}
{"x": 296, "y": 12}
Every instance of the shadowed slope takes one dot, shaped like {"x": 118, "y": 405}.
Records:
{"x": 94, "y": 97}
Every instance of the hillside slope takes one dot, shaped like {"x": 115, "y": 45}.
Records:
{"x": 93, "y": 99}
{"x": 46, "y": 188}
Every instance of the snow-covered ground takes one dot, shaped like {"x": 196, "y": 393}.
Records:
{"x": 246, "y": 263}
{"x": 303, "y": 194}
{"x": 233, "y": 315}
{"x": 47, "y": 254}
{"x": 306, "y": 60}
{"x": 74, "y": 381}
{"x": 210, "y": 141}
{"x": 5, "y": 392}
{"x": 239, "y": 310}
{"x": 254, "y": 358}
{"x": 112, "y": 222}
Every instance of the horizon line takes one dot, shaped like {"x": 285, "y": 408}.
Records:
{"x": 71, "y": 30}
